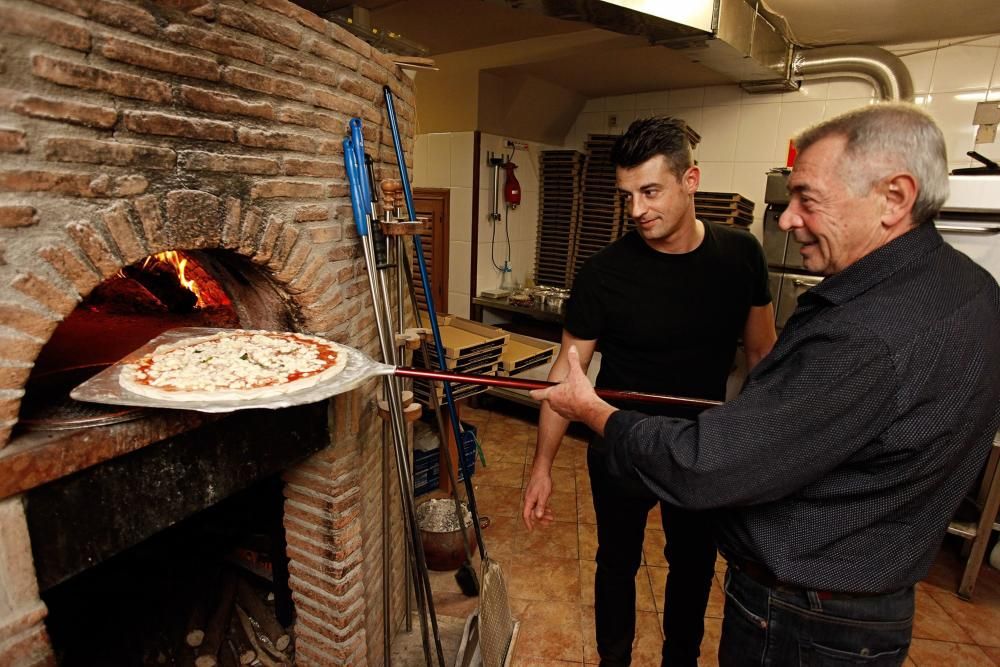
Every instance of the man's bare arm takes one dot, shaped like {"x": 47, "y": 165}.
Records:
{"x": 551, "y": 429}
{"x": 758, "y": 334}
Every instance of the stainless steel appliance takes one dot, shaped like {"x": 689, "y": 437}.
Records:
{"x": 787, "y": 277}
{"x": 969, "y": 221}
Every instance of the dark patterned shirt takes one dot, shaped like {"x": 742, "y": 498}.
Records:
{"x": 843, "y": 459}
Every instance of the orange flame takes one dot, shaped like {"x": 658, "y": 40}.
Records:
{"x": 173, "y": 258}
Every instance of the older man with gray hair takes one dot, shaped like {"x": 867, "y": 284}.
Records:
{"x": 838, "y": 467}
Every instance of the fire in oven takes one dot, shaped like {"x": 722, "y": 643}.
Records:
{"x": 171, "y": 289}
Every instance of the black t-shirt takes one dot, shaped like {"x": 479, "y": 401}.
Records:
{"x": 669, "y": 323}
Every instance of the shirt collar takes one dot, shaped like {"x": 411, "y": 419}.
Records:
{"x": 877, "y": 265}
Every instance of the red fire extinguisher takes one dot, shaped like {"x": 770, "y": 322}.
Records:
{"x": 511, "y": 188}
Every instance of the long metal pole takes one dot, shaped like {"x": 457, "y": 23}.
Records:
{"x": 352, "y": 150}
{"x": 432, "y": 316}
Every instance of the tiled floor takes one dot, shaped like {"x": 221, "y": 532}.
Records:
{"x": 550, "y": 571}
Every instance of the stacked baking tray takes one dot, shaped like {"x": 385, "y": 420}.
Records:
{"x": 559, "y": 176}
{"x": 602, "y": 215}
{"x": 469, "y": 347}
{"x": 727, "y": 208}
{"x": 524, "y": 352}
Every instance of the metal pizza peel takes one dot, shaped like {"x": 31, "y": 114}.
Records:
{"x": 105, "y": 388}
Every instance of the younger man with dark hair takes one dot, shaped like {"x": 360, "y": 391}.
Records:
{"x": 667, "y": 303}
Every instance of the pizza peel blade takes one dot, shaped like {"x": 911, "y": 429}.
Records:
{"x": 104, "y": 387}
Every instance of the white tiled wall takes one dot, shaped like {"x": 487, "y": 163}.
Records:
{"x": 744, "y": 135}
{"x": 444, "y": 160}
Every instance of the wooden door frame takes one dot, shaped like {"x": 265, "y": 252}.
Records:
{"x": 440, "y": 242}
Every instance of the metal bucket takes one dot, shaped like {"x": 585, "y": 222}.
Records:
{"x": 441, "y": 534}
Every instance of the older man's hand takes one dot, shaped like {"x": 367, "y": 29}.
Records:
{"x": 575, "y": 399}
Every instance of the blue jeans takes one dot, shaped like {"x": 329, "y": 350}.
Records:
{"x": 765, "y": 626}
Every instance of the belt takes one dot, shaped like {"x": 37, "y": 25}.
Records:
{"x": 763, "y": 576}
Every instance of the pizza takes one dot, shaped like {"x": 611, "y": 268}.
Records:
{"x": 234, "y": 364}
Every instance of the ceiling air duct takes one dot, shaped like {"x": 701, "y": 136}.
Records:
{"x": 736, "y": 38}
{"x": 884, "y": 70}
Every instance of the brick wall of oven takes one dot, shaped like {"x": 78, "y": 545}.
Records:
{"x": 127, "y": 128}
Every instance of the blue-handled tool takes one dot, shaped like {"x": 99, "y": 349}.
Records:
{"x": 358, "y": 141}
{"x": 431, "y": 312}
{"x": 496, "y": 623}
{"x": 354, "y": 181}
{"x": 361, "y": 205}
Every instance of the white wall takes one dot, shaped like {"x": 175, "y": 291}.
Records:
{"x": 744, "y": 135}
{"x": 443, "y": 160}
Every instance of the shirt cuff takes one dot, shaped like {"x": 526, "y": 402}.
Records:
{"x": 616, "y": 432}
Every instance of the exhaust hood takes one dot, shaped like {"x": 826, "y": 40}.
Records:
{"x": 730, "y": 37}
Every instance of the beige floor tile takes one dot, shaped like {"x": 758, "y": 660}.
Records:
{"x": 506, "y": 452}
{"x": 588, "y": 569}
{"x": 558, "y": 539}
{"x": 550, "y": 630}
{"x": 652, "y": 547}
{"x": 981, "y": 620}
{"x": 993, "y": 652}
{"x": 930, "y": 653}
{"x": 543, "y": 578}
{"x": 710, "y": 643}
{"x": 931, "y": 621}
{"x": 585, "y": 507}
{"x": 541, "y": 662}
{"x": 590, "y": 655}
{"x": 563, "y": 505}
{"x": 716, "y": 599}
{"x": 654, "y": 520}
{"x": 644, "y": 596}
{"x": 587, "y": 533}
{"x": 501, "y": 536}
{"x": 658, "y": 582}
{"x": 501, "y": 473}
{"x": 568, "y": 454}
{"x": 498, "y": 501}
{"x": 720, "y": 563}
{"x": 647, "y": 649}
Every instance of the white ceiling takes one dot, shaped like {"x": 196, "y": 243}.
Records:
{"x": 620, "y": 65}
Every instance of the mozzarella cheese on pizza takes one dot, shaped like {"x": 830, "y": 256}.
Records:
{"x": 234, "y": 365}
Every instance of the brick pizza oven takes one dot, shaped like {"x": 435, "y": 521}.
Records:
{"x": 211, "y": 127}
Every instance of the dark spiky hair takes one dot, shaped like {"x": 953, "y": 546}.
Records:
{"x": 649, "y": 137}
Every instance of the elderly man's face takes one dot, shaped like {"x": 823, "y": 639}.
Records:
{"x": 835, "y": 227}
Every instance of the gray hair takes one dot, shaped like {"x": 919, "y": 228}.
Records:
{"x": 886, "y": 138}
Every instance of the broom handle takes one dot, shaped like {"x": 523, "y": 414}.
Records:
{"x": 517, "y": 383}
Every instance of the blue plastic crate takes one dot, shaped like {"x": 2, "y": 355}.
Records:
{"x": 427, "y": 468}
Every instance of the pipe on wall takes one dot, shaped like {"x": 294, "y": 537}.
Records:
{"x": 884, "y": 70}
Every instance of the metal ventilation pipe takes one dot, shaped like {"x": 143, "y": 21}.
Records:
{"x": 882, "y": 69}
